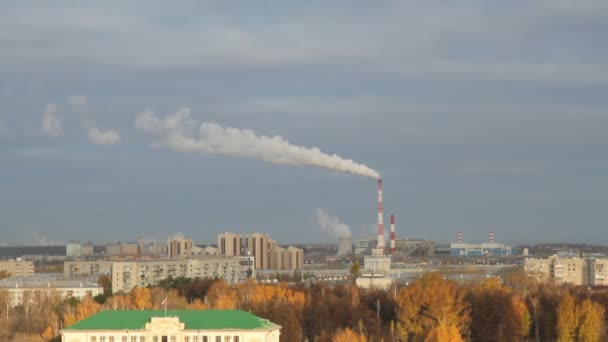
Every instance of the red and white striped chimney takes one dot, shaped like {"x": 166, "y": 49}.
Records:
{"x": 380, "y": 217}
{"x": 491, "y": 237}
{"x": 460, "y": 238}
{"x": 392, "y": 233}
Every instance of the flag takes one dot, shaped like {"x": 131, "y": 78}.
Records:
{"x": 164, "y": 301}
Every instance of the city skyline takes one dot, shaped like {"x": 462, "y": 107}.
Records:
{"x": 479, "y": 117}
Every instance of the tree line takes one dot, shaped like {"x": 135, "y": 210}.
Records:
{"x": 510, "y": 308}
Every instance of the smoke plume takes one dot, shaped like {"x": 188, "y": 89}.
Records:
{"x": 332, "y": 224}
{"x": 178, "y": 131}
{"x": 51, "y": 122}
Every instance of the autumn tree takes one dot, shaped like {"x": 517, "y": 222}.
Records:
{"x": 222, "y": 296}
{"x": 348, "y": 335}
{"x": 86, "y": 308}
{"x": 591, "y": 321}
{"x": 567, "y": 319}
{"x": 429, "y": 302}
{"x": 443, "y": 333}
{"x": 141, "y": 298}
{"x": 497, "y": 313}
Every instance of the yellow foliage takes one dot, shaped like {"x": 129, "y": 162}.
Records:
{"x": 68, "y": 319}
{"x": 197, "y": 305}
{"x": 49, "y": 333}
{"x": 141, "y": 298}
{"x": 442, "y": 333}
{"x": 86, "y": 308}
{"x": 348, "y": 335}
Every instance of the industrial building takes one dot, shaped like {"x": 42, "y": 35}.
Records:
{"x": 485, "y": 248}
{"x": 172, "y": 326}
{"x": 17, "y": 268}
{"x": 28, "y": 289}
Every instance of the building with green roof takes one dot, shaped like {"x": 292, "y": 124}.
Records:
{"x": 172, "y": 326}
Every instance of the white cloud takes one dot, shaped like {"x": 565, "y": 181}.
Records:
{"x": 104, "y": 138}
{"x": 76, "y": 100}
{"x": 51, "y": 122}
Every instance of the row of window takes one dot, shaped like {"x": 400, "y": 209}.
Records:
{"x": 164, "y": 339}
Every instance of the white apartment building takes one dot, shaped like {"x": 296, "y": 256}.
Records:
{"x": 558, "y": 270}
{"x": 86, "y": 268}
{"x": 26, "y": 289}
{"x": 128, "y": 274}
{"x": 598, "y": 272}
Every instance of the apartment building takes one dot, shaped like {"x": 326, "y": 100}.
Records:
{"x": 558, "y": 270}
{"x": 128, "y": 274}
{"x": 17, "y": 268}
{"x": 86, "y": 268}
{"x": 266, "y": 253}
{"x": 598, "y": 272}
{"x": 22, "y": 290}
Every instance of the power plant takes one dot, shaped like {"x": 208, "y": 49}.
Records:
{"x": 392, "y": 251}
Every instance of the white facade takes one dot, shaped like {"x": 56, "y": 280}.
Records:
{"x": 558, "y": 270}
{"x": 128, "y": 274}
{"x": 20, "y": 291}
{"x": 170, "y": 329}
{"x": 598, "y": 272}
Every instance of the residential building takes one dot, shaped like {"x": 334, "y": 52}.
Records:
{"x": 558, "y": 270}
{"x": 230, "y": 244}
{"x": 598, "y": 272}
{"x": 128, "y": 274}
{"x": 86, "y": 268}
{"x": 72, "y": 250}
{"x": 172, "y": 326}
{"x": 260, "y": 245}
{"x": 17, "y": 268}
{"x": 21, "y": 290}
{"x": 179, "y": 247}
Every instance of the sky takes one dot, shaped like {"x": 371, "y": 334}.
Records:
{"x": 479, "y": 116}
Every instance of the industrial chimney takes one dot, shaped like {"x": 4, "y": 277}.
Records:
{"x": 491, "y": 237}
{"x": 380, "y": 218}
{"x": 460, "y": 238}
{"x": 392, "y": 233}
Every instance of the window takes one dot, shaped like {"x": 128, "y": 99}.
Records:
{"x": 186, "y": 338}
{"x": 93, "y": 339}
{"x": 142, "y": 339}
{"x": 102, "y": 339}
{"x": 236, "y": 338}
{"x": 227, "y": 338}
{"x": 155, "y": 339}
{"x": 218, "y": 338}
{"x": 111, "y": 338}
{"x": 124, "y": 339}
{"x": 173, "y": 339}
{"x": 195, "y": 339}
{"x": 133, "y": 338}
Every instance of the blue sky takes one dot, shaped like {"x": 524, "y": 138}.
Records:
{"x": 479, "y": 115}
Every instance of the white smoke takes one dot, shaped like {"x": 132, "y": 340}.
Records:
{"x": 77, "y": 100}
{"x": 51, "y": 122}
{"x": 332, "y": 224}
{"x": 107, "y": 138}
{"x": 177, "y": 131}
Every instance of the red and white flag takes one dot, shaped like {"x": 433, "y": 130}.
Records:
{"x": 164, "y": 302}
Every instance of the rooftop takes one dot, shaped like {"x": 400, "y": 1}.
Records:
{"x": 193, "y": 320}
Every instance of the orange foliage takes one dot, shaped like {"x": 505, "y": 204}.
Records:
{"x": 348, "y": 335}
{"x": 141, "y": 298}
{"x": 86, "y": 308}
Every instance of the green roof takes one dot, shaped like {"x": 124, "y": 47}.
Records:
{"x": 193, "y": 320}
